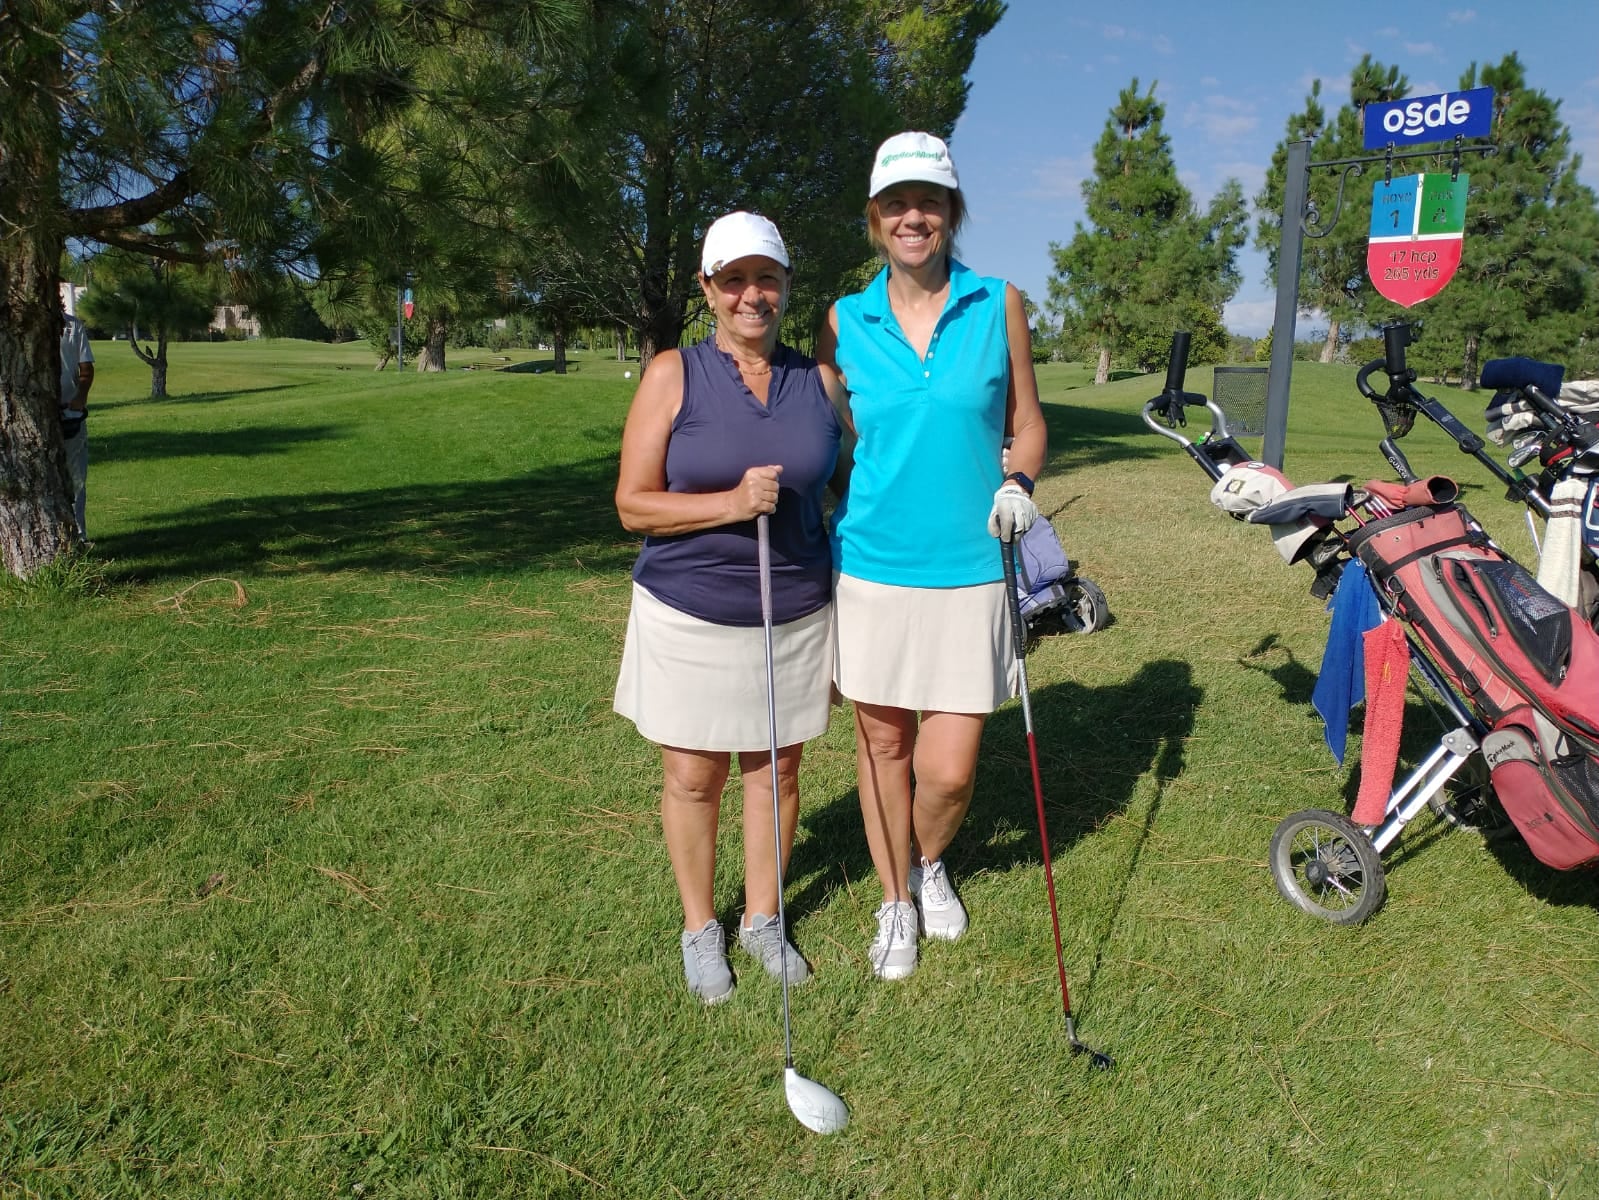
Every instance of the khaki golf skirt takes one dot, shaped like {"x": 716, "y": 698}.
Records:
{"x": 695, "y": 685}
{"x": 924, "y": 649}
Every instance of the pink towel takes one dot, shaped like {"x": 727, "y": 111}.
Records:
{"x": 1387, "y": 673}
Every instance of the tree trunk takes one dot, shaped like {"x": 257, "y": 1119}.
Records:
{"x": 621, "y": 343}
{"x": 1102, "y": 371}
{"x": 1329, "y": 349}
{"x": 36, "y": 518}
{"x": 158, "y": 370}
{"x": 559, "y": 339}
{"x": 431, "y": 357}
{"x": 384, "y": 359}
{"x": 1468, "y": 369}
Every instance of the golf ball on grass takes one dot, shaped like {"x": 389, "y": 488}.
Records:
{"x": 627, "y": 374}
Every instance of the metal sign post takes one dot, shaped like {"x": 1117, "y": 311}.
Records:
{"x": 402, "y": 306}
{"x": 1439, "y": 118}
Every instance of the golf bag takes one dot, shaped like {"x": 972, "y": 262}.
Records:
{"x": 1052, "y": 594}
{"x": 1525, "y": 662}
{"x": 1513, "y": 669}
{"x": 1554, "y": 433}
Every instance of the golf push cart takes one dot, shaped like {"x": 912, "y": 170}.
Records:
{"x": 1512, "y": 669}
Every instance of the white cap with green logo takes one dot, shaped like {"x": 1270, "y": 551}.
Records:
{"x": 913, "y": 158}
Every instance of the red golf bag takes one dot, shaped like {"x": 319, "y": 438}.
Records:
{"x": 1525, "y": 662}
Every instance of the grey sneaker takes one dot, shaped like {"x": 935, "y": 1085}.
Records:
{"x": 760, "y": 939}
{"x": 943, "y": 915}
{"x": 893, "y": 951}
{"x": 705, "y": 962}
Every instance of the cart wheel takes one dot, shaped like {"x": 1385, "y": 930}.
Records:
{"x": 1469, "y": 803}
{"x": 1085, "y": 609}
{"x": 1324, "y": 865}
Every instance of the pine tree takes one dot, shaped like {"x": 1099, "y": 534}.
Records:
{"x": 694, "y": 108}
{"x": 1131, "y": 277}
{"x": 179, "y": 129}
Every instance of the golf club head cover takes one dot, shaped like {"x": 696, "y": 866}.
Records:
{"x": 1509, "y": 373}
{"x": 1247, "y": 486}
{"x": 1328, "y": 501}
{"x": 1435, "y": 489}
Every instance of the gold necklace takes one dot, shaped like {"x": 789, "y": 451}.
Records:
{"x": 742, "y": 368}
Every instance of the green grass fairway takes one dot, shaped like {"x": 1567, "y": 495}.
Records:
{"x": 326, "y": 869}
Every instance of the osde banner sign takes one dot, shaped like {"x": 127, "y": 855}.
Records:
{"x": 1418, "y": 222}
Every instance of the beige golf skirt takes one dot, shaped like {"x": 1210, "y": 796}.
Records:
{"x": 925, "y": 649}
{"x": 695, "y": 685}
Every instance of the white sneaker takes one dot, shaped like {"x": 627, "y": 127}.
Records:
{"x": 943, "y": 915}
{"x": 893, "y": 951}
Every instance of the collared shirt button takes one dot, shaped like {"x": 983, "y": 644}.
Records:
{"x": 927, "y": 374}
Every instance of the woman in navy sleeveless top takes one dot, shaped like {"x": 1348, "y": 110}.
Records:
{"x": 718, "y": 434}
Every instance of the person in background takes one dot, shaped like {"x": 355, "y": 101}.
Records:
{"x": 718, "y": 434}
{"x": 937, "y": 364}
{"x": 77, "y": 376}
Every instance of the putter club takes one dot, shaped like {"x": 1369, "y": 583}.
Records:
{"x": 813, "y": 1106}
{"x": 1101, "y": 1061}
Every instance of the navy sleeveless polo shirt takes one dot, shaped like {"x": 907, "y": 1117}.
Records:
{"x": 721, "y": 431}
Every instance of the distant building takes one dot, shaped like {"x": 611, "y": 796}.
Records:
{"x": 234, "y": 320}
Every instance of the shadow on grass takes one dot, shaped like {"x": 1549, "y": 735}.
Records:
{"x": 1088, "y": 774}
{"x": 251, "y": 442}
{"x": 539, "y": 366}
{"x": 194, "y": 397}
{"x": 453, "y": 528}
{"x": 1080, "y": 436}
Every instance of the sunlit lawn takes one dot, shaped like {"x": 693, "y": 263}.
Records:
{"x": 325, "y": 868}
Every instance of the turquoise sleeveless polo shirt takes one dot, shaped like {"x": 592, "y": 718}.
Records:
{"x": 930, "y": 431}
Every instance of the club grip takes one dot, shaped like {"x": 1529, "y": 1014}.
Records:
{"x": 763, "y": 553}
{"x": 1177, "y": 365}
{"x": 1018, "y": 631}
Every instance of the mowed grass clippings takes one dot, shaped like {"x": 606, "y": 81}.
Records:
{"x": 325, "y": 868}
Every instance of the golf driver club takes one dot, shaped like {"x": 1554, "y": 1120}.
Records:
{"x": 1102, "y": 1062}
{"x": 814, "y": 1106}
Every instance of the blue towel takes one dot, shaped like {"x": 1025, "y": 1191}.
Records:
{"x": 1342, "y": 682}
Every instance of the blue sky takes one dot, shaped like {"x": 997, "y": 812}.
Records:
{"x": 1229, "y": 75}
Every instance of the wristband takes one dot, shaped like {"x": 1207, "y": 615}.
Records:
{"x": 1024, "y": 480}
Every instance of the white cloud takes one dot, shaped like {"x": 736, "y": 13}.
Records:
{"x": 1110, "y": 59}
{"x": 1209, "y": 81}
{"x": 1061, "y": 178}
{"x": 1222, "y": 118}
{"x": 1462, "y": 16}
{"x": 1388, "y": 31}
{"x": 1113, "y": 32}
{"x": 1430, "y": 49}
{"x": 1251, "y": 318}
{"x": 1163, "y": 44}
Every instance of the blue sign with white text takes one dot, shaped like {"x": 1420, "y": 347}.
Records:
{"x": 1440, "y": 118}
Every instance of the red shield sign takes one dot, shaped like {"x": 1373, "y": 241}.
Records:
{"x": 1418, "y": 228}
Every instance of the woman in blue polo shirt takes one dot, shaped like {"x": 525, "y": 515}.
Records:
{"x": 938, "y": 365}
{"x": 718, "y": 434}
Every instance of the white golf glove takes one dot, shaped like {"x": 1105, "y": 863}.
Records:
{"x": 1014, "y": 512}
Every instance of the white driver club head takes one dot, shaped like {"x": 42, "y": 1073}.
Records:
{"x": 816, "y": 1108}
